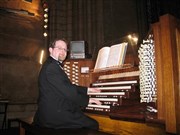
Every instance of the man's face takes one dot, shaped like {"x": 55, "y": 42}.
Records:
{"x": 59, "y": 51}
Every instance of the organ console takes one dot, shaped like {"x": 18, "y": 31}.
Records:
{"x": 120, "y": 95}
{"x": 146, "y": 92}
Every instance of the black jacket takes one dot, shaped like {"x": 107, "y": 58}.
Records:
{"x": 60, "y": 102}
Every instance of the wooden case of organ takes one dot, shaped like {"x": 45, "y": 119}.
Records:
{"x": 78, "y": 70}
{"x": 154, "y": 97}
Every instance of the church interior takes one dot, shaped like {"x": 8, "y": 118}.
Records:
{"x": 151, "y": 29}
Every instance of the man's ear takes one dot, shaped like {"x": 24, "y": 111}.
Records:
{"x": 50, "y": 49}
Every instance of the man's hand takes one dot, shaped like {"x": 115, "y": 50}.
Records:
{"x": 93, "y": 100}
{"x": 92, "y": 90}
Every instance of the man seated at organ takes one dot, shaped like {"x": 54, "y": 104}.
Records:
{"x": 60, "y": 102}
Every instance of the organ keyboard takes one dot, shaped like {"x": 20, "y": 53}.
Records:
{"x": 119, "y": 88}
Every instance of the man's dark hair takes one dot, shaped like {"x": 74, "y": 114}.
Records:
{"x": 52, "y": 44}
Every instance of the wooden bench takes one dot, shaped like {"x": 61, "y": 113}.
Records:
{"x": 26, "y": 128}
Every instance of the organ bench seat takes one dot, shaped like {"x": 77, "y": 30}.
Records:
{"x": 121, "y": 127}
{"x": 107, "y": 126}
{"x": 26, "y": 128}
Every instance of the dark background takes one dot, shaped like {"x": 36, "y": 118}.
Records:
{"x": 98, "y": 22}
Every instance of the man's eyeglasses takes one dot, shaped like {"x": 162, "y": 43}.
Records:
{"x": 62, "y": 49}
